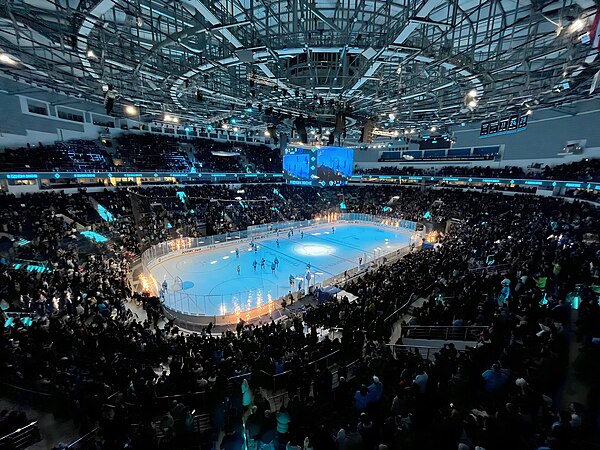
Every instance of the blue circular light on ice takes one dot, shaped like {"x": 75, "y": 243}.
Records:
{"x": 314, "y": 249}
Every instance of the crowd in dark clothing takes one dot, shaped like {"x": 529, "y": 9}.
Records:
{"x": 585, "y": 170}
{"x": 111, "y": 369}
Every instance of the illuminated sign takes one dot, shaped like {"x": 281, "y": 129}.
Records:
{"x": 21, "y": 176}
{"x": 505, "y": 125}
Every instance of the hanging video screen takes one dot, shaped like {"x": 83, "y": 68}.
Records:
{"x": 314, "y": 166}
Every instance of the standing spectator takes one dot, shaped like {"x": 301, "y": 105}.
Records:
{"x": 495, "y": 378}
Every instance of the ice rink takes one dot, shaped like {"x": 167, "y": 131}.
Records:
{"x": 208, "y": 282}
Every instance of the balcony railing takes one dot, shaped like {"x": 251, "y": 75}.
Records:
{"x": 443, "y": 333}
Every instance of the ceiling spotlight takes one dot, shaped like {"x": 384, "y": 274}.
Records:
{"x": 131, "y": 110}
{"x": 236, "y": 128}
{"x": 472, "y": 93}
{"x": 175, "y": 120}
{"x": 105, "y": 87}
{"x": 168, "y": 118}
{"x": 529, "y": 112}
{"x": 392, "y": 117}
{"x": 224, "y": 126}
{"x": 267, "y": 134}
{"x": 434, "y": 128}
{"x": 90, "y": 54}
{"x": 576, "y": 26}
{"x": 7, "y": 59}
{"x": 472, "y": 104}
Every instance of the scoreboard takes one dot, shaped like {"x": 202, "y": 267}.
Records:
{"x": 510, "y": 124}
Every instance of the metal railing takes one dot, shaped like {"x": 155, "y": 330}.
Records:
{"x": 83, "y": 442}
{"x": 403, "y": 308}
{"x": 443, "y": 333}
{"x": 423, "y": 351}
{"x": 21, "y": 438}
{"x": 279, "y": 381}
{"x": 495, "y": 268}
{"x": 278, "y": 399}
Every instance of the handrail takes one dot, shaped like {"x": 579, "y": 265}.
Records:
{"x": 31, "y": 391}
{"x": 323, "y": 357}
{"x": 18, "y": 430}
{"x": 82, "y": 438}
{"x": 412, "y": 346}
{"x": 446, "y": 326}
{"x": 284, "y": 393}
{"x": 242, "y": 376}
{"x": 408, "y": 302}
{"x": 443, "y": 332}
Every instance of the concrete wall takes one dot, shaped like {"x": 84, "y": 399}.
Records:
{"x": 547, "y": 133}
{"x": 18, "y": 126}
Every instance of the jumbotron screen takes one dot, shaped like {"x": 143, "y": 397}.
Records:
{"x": 318, "y": 166}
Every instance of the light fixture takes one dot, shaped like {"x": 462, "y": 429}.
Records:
{"x": 224, "y": 126}
{"x": 392, "y": 117}
{"x": 236, "y": 129}
{"x": 267, "y": 134}
{"x": 472, "y": 93}
{"x": 434, "y": 128}
{"x": 168, "y": 118}
{"x": 90, "y": 54}
{"x": 576, "y": 26}
{"x": 529, "y": 112}
{"x": 131, "y": 110}
{"x": 7, "y": 59}
{"x": 472, "y": 104}
{"x": 175, "y": 120}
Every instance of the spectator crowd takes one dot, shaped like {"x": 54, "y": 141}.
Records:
{"x": 75, "y": 330}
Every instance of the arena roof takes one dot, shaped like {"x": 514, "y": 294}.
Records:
{"x": 413, "y": 63}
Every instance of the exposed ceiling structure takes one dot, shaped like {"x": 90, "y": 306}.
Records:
{"x": 418, "y": 62}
